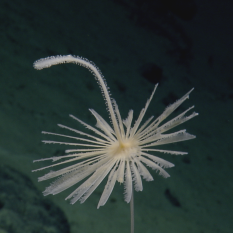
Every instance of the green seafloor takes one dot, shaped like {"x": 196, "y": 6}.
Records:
{"x": 179, "y": 44}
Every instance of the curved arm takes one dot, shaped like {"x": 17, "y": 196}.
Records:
{"x": 55, "y": 60}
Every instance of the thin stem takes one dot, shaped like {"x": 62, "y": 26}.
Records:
{"x": 132, "y": 213}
